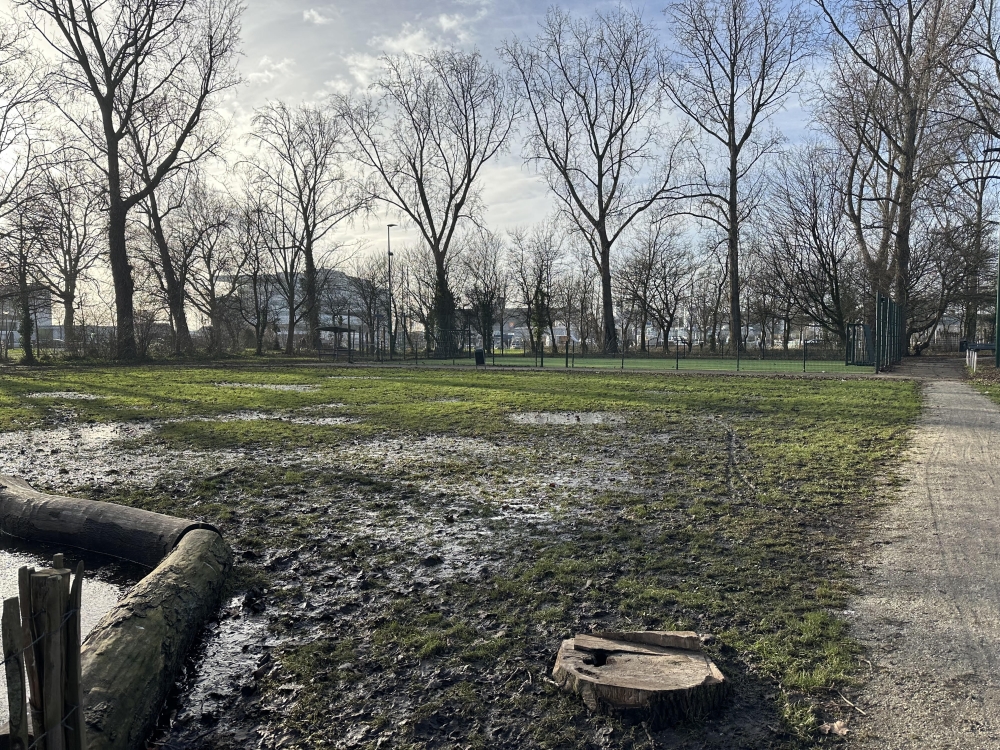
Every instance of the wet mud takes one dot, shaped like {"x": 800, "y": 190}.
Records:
{"x": 413, "y": 591}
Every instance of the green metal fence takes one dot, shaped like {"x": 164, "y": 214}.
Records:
{"x": 884, "y": 347}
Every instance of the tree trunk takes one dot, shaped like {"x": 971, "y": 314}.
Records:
{"x": 311, "y": 296}
{"x": 906, "y": 198}
{"x": 610, "y": 330}
{"x": 26, "y": 326}
{"x": 69, "y": 322}
{"x": 735, "y": 320}
{"x": 289, "y": 345}
{"x": 174, "y": 289}
{"x": 121, "y": 273}
{"x": 444, "y": 307}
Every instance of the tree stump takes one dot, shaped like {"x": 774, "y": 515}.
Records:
{"x": 633, "y": 674}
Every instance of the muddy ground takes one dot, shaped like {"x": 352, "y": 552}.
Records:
{"x": 411, "y": 589}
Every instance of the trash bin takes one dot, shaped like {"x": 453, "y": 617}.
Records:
{"x": 480, "y": 358}
{"x": 963, "y": 346}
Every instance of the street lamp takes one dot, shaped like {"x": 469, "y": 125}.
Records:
{"x": 388, "y": 244}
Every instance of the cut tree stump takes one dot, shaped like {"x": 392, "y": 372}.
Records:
{"x": 633, "y": 674}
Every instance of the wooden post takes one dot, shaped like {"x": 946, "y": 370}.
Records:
{"x": 30, "y": 649}
{"x": 73, "y": 697}
{"x": 49, "y": 594}
{"x": 13, "y": 645}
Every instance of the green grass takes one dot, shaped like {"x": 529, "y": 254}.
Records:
{"x": 740, "y": 503}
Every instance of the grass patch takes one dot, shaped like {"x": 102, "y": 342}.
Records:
{"x": 432, "y": 552}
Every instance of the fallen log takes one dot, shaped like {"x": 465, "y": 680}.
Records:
{"x": 139, "y": 536}
{"x": 132, "y": 657}
{"x": 130, "y": 660}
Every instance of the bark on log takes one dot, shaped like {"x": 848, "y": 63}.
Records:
{"x": 131, "y": 534}
{"x": 132, "y": 657}
{"x": 651, "y": 683}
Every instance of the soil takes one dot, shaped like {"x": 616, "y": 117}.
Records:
{"x": 930, "y": 612}
{"x": 405, "y": 590}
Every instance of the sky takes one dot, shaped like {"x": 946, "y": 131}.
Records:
{"x": 301, "y": 51}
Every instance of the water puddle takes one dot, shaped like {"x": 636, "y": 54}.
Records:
{"x": 64, "y": 395}
{"x": 298, "y": 387}
{"x": 567, "y": 418}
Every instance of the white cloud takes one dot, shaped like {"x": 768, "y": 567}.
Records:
{"x": 314, "y": 16}
{"x": 268, "y": 70}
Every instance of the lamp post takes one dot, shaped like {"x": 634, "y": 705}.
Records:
{"x": 388, "y": 245}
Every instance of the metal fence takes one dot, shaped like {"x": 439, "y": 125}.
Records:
{"x": 884, "y": 347}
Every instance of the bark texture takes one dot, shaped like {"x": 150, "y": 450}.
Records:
{"x": 132, "y": 657}
{"x": 131, "y": 534}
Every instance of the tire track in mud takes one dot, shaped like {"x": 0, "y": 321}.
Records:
{"x": 930, "y": 612}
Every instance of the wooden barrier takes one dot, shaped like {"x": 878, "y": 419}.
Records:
{"x": 41, "y": 648}
{"x": 129, "y": 661}
{"x": 131, "y": 534}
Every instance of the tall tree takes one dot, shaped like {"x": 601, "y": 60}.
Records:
{"x": 426, "y": 130}
{"x": 305, "y": 151}
{"x": 150, "y": 70}
{"x": 888, "y": 104}
{"x": 486, "y": 282}
{"x": 595, "y": 106}
{"x": 733, "y": 65}
{"x": 812, "y": 242}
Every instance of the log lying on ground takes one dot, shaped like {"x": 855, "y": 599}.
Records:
{"x": 131, "y": 534}
{"x": 131, "y": 658}
{"x": 636, "y": 676}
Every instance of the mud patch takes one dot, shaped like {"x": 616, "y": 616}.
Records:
{"x": 64, "y": 395}
{"x": 567, "y": 418}
{"x": 296, "y": 387}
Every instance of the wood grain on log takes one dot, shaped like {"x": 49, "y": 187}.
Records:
{"x": 131, "y": 534}
{"x": 132, "y": 657}
{"x": 686, "y": 639}
{"x": 657, "y": 683}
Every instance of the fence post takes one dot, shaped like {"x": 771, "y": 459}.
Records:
{"x": 13, "y": 646}
{"x": 805, "y": 348}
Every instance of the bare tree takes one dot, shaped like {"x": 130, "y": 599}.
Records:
{"x": 168, "y": 253}
{"x": 486, "y": 282}
{"x": 215, "y": 260}
{"x": 427, "y": 129}
{"x": 256, "y": 282}
{"x": 814, "y": 250}
{"x": 152, "y": 68}
{"x": 734, "y": 64}
{"x": 70, "y": 206}
{"x": 537, "y": 254}
{"x": 595, "y": 108}
{"x": 368, "y": 280}
{"x": 888, "y": 105}
{"x": 304, "y": 152}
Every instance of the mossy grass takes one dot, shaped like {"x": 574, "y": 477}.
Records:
{"x": 730, "y": 505}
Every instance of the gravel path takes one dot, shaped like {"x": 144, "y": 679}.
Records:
{"x": 930, "y": 614}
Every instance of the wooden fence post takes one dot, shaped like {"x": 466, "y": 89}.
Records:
{"x": 41, "y": 645}
{"x": 12, "y": 635}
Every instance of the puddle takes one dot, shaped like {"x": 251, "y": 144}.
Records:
{"x": 65, "y": 458}
{"x": 105, "y": 581}
{"x": 65, "y": 395}
{"x": 566, "y": 418}
{"x": 299, "y": 387}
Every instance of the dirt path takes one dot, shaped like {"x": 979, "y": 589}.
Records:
{"x": 930, "y": 615}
